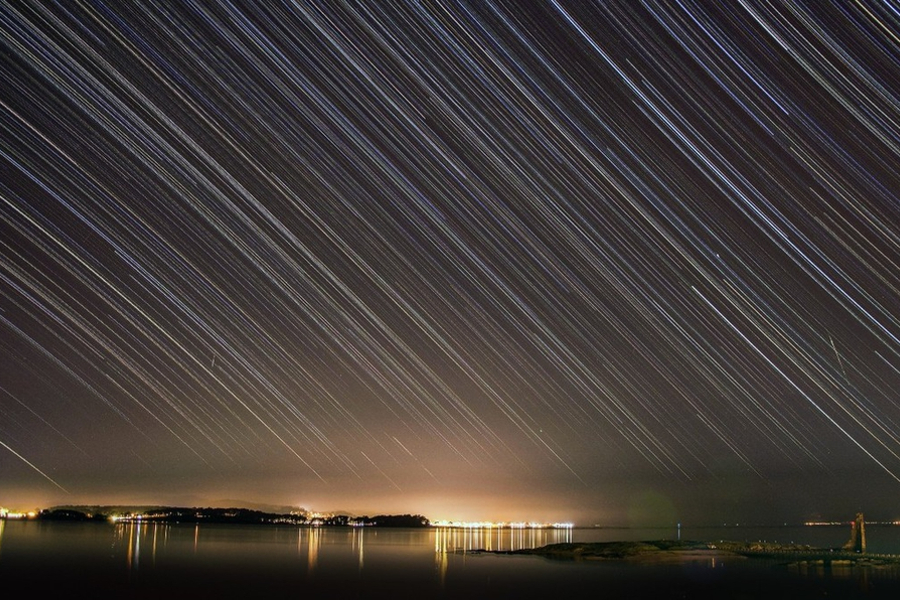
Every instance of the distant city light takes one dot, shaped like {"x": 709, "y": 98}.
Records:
{"x": 500, "y": 525}
{"x": 11, "y": 514}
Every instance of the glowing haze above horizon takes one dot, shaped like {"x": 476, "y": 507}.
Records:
{"x": 612, "y": 262}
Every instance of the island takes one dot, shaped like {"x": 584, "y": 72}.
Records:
{"x": 244, "y": 516}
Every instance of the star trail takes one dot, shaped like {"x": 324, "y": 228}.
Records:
{"x": 469, "y": 260}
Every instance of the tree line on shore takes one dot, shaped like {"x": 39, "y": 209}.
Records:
{"x": 230, "y": 515}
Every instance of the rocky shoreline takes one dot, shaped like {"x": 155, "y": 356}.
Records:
{"x": 682, "y": 551}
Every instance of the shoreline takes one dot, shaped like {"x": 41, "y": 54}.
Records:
{"x": 669, "y": 551}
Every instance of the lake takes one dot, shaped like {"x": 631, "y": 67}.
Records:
{"x": 140, "y": 560}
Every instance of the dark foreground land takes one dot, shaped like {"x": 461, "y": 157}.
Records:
{"x": 721, "y": 570}
{"x": 680, "y": 550}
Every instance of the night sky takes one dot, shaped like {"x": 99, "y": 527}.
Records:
{"x": 613, "y": 262}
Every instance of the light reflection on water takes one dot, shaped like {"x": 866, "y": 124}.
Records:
{"x": 153, "y": 555}
{"x": 358, "y": 543}
{"x": 132, "y": 535}
{"x": 135, "y": 538}
{"x": 497, "y": 539}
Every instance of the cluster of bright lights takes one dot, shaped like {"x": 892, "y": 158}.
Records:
{"x": 131, "y": 518}
{"x": 500, "y": 525}
{"x": 8, "y": 514}
{"x": 127, "y": 518}
{"x": 312, "y": 515}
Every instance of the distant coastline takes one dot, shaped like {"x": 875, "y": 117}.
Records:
{"x": 245, "y": 516}
{"x": 300, "y": 517}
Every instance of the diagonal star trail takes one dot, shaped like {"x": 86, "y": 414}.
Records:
{"x": 395, "y": 243}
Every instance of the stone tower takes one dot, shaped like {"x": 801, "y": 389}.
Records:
{"x": 857, "y": 541}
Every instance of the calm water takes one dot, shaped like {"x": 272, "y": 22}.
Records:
{"x": 218, "y": 561}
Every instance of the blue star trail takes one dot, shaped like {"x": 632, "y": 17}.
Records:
{"x": 370, "y": 253}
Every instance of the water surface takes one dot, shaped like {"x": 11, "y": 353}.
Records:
{"x": 140, "y": 560}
